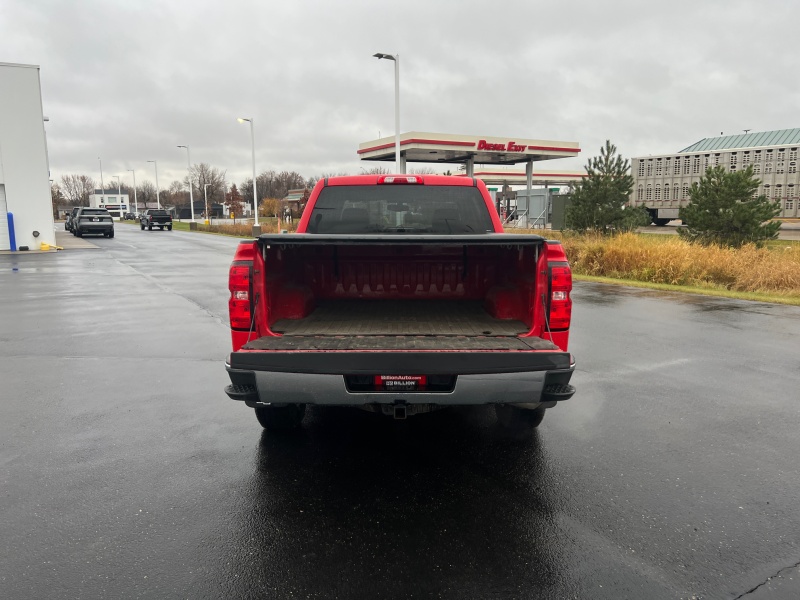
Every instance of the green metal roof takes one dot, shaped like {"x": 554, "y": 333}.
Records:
{"x": 747, "y": 140}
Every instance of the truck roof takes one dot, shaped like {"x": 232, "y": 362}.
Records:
{"x": 426, "y": 179}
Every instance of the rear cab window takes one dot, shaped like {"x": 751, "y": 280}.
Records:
{"x": 412, "y": 209}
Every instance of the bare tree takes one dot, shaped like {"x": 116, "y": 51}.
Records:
{"x": 146, "y": 193}
{"x": 272, "y": 185}
{"x": 375, "y": 171}
{"x": 245, "y": 191}
{"x": 286, "y": 181}
{"x": 423, "y": 171}
{"x": 177, "y": 194}
{"x": 58, "y": 199}
{"x": 77, "y": 189}
{"x": 202, "y": 174}
{"x": 326, "y": 175}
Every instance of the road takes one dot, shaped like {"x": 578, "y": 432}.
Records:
{"x": 789, "y": 230}
{"x": 126, "y": 472}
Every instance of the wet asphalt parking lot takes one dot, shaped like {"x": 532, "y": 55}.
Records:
{"x": 126, "y": 472}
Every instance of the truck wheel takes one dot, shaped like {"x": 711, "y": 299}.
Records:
{"x": 169, "y": 227}
{"x": 78, "y": 233}
{"x": 280, "y": 418}
{"x": 149, "y": 228}
{"x": 111, "y": 233}
{"x": 511, "y": 417}
{"x": 661, "y": 222}
{"x": 142, "y": 226}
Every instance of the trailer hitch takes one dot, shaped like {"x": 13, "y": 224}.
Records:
{"x": 400, "y": 411}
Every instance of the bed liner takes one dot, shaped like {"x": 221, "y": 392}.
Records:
{"x": 399, "y": 317}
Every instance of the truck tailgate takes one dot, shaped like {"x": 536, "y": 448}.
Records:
{"x": 400, "y": 354}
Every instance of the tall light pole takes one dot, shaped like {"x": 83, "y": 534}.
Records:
{"x": 102, "y": 185}
{"x": 135, "y": 202}
{"x": 158, "y": 197}
{"x": 189, "y": 163}
{"x": 253, "y": 145}
{"x": 119, "y": 193}
{"x": 396, "y": 59}
{"x": 205, "y": 193}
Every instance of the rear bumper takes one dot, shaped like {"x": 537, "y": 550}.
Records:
{"x": 260, "y": 379}
{"x": 95, "y": 227}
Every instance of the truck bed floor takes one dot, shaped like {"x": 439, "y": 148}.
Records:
{"x": 400, "y": 317}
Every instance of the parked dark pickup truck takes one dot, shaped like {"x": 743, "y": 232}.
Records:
{"x": 155, "y": 218}
{"x": 400, "y": 294}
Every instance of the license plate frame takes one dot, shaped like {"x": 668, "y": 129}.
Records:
{"x": 401, "y": 383}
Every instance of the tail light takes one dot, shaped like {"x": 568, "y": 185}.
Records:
{"x": 240, "y": 304}
{"x": 560, "y": 302}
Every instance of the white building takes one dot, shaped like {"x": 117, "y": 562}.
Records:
{"x": 662, "y": 182}
{"x": 26, "y": 211}
{"x": 115, "y": 203}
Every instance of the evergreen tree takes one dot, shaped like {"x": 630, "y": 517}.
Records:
{"x": 600, "y": 200}
{"x": 724, "y": 210}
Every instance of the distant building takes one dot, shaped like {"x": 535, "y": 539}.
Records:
{"x": 115, "y": 203}
{"x": 662, "y": 182}
{"x": 296, "y": 200}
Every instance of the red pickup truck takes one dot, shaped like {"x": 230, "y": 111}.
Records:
{"x": 400, "y": 294}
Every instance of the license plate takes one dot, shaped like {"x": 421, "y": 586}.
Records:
{"x": 400, "y": 383}
{"x": 95, "y": 219}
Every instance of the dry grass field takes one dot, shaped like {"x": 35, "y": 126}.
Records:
{"x": 245, "y": 230}
{"x": 655, "y": 259}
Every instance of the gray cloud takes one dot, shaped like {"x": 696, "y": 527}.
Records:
{"x": 128, "y": 81}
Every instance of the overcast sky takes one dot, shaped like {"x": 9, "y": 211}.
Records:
{"x": 128, "y": 81}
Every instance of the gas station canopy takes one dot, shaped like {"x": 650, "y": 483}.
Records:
{"x": 424, "y": 147}
{"x": 519, "y": 178}
{"x": 528, "y": 207}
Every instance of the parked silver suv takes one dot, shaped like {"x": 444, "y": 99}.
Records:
{"x": 93, "y": 220}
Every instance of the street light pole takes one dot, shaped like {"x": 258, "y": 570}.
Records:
{"x": 189, "y": 163}
{"x": 224, "y": 194}
{"x": 158, "y": 197}
{"x": 253, "y": 145}
{"x": 205, "y": 193}
{"x": 135, "y": 201}
{"x": 396, "y": 59}
{"x": 102, "y": 185}
{"x": 119, "y": 193}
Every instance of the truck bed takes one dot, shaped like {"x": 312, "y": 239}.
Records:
{"x": 399, "y": 317}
